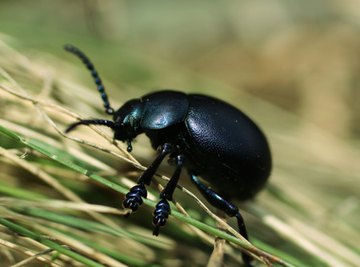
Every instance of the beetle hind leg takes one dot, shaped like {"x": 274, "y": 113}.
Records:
{"x": 222, "y": 204}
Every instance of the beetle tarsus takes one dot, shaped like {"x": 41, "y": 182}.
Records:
{"x": 133, "y": 199}
{"x": 161, "y": 213}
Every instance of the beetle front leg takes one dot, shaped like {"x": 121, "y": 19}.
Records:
{"x": 133, "y": 199}
{"x": 222, "y": 204}
{"x": 162, "y": 208}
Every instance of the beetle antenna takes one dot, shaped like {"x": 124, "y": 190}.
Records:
{"x": 100, "y": 87}
{"x": 107, "y": 123}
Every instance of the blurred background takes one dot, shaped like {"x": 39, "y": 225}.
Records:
{"x": 292, "y": 66}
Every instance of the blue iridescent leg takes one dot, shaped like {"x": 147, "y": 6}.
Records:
{"x": 222, "y": 204}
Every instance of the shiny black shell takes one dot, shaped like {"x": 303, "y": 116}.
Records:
{"x": 221, "y": 144}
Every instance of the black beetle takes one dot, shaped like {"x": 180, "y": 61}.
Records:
{"x": 209, "y": 137}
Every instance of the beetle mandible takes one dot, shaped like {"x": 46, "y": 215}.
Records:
{"x": 207, "y": 136}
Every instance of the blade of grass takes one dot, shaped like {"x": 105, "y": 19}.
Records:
{"x": 88, "y": 225}
{"x": 51, "y": 244}
{"x": 9, "y": 190}
{"x": 43, "y": 148}
{"x": 131, "y": 261}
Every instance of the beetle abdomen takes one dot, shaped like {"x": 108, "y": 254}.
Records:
{"x": 237, "y": 159}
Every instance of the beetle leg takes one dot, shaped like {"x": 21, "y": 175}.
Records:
{"x": 171, "y": 185}
{"x": 162, "y": 208}
{"x": 222, "y": 204}
{"x": 133, "y": 199}
{"x": 150, "y": 171}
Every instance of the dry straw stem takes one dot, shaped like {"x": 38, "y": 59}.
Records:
{"x": 34, "y": 257}
{"x": 31, "y": 255}
{"x": 217, "y": 256}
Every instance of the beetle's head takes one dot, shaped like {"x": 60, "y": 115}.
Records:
{"x": 127, "y": 121}
{"x": 125, "y": 124}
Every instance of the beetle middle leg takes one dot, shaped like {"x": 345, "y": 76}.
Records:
{"x": 222, "y": 204}
{"x": 162, "y": 208}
